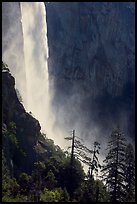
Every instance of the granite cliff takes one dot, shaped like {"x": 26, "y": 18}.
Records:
{"x": 91, "y": 63}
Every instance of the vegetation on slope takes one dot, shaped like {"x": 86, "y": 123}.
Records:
{"x": 35, "y": 169}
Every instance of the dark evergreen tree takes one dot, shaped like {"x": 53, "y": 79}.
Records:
{"x": 114, "y": 168}
{"x": 130, "y": 173}
{"x": 89, "y": 157}
{"x": 83, "y": 154}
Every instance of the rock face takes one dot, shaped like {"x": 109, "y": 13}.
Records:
{"x": 27, "y": 127}
{"x": 91, "y": 62}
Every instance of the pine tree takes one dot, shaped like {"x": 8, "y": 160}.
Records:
{"x": 114, "y": 168}
{"x": 130, "y": 173}
{"x": 94, "y": 164}
{"x": 88, "y": 157}
{"x": 83, "y": 154}
{"x": 72, "y": 167}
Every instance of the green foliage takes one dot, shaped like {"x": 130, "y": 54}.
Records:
{"x": 57, "y": 171}
{"x": 71, "y": 176}
{"x": 10, "y": 187}
{"x": 18, "y": 198}
{"x": 56, "y": 195}
{"x": 101, "y": 192}
{"x": 55, "y": 179}
{"x": 65, "y": 196}
{"x": 14, "y": 140}
{"x": 91, "y": 190}
{"x": 5, "y": 170}
{"x": 39, "y": 165}
{"x": 39, "y": 168}
{"x": 25, "y": 178}
{"x": 86, "y": 192}
{"x": 25, "y": 183}
{"x": 12, "y": 134}
{"x": 16, "y": 152}
{"x": 50, "y": 180}
{"x": 42, "y": 137}
{"x": 58, "y": 177}
{"x": 12, "y": 128}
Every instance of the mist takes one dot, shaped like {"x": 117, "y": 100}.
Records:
{"x": 92, "y": 70}
{"x": 59, "y": 104}
{"x": 25, "y": 50}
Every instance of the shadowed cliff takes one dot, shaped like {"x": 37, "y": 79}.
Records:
{"x": 20, "y": 126}
{"x": 91, "y": 65}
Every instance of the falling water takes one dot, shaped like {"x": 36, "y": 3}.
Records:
{"x": 36, "y": 67}
{"x": 27, "y": 36}
{"x": 35, "y": 55}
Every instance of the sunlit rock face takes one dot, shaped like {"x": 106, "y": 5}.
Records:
{"x": 91, "y": 62}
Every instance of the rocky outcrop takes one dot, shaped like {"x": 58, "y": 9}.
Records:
{"x": 91, "y": 62}
{"x": 27, "y": 127}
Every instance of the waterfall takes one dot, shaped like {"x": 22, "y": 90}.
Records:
{"x": 25, "y": 50}
{"x": 38, "y": 93}
{"x": 35, "y": 54}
